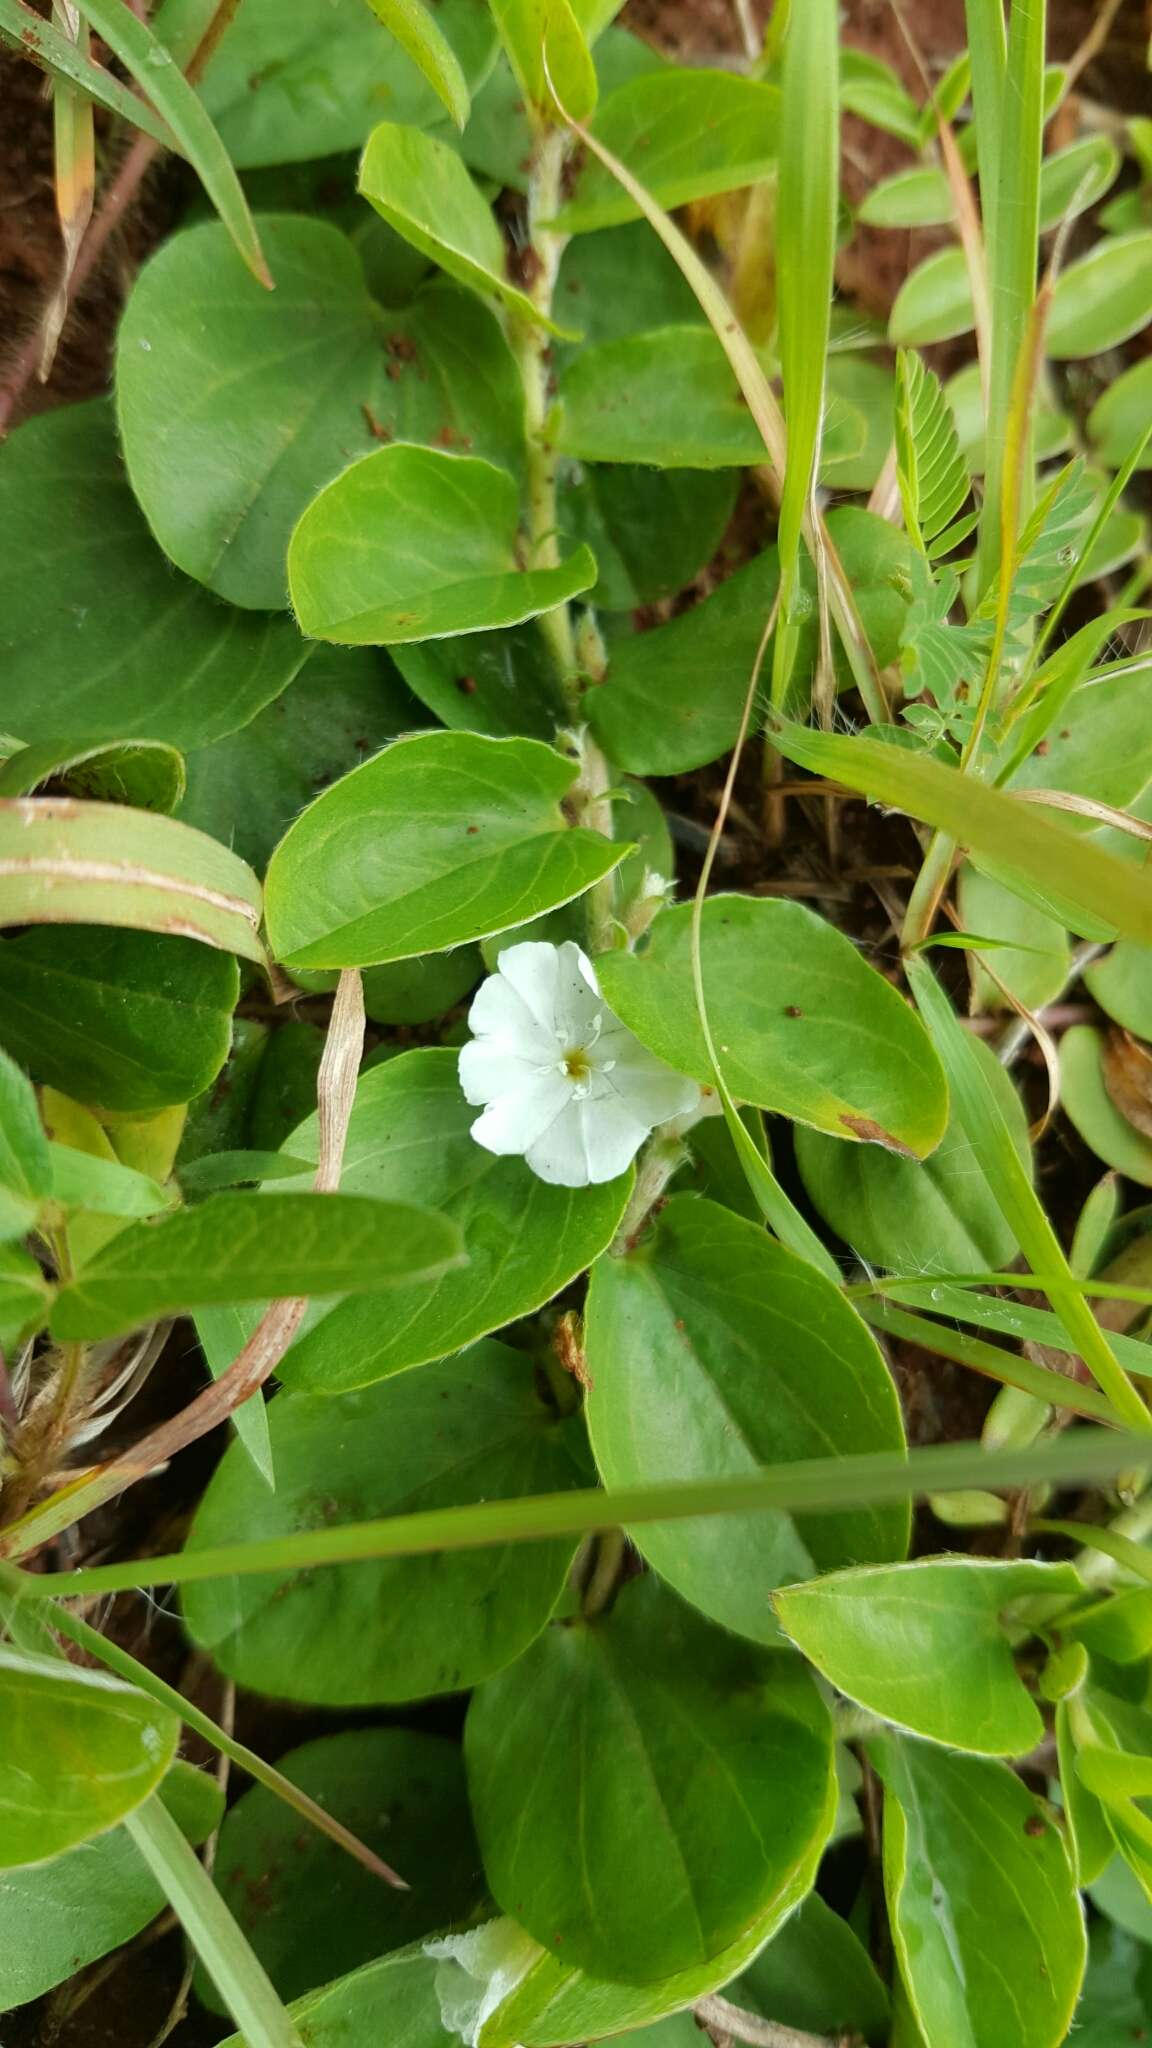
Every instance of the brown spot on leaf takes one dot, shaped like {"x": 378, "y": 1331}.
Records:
{"x": 870, "y": 1133}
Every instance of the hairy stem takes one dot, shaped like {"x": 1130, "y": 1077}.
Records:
{"x": 532, "y": 347}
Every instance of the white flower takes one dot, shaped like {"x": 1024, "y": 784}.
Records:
{"x": 563, "y": 1081}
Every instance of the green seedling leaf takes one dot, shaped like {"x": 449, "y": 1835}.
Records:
{"x": 410, "y": 1127}
{"x": 65, "y": 862}
{"x": 443, "y": 838}
{"x": 1089, "y": 1107}
{"x": 287, "y": 85}
{"x": 933, "y": 478}
{"x": 467, "y": 1428}
{"x": 61, "y": 57}
{"x": 1103, "y": 299}
{"x": 923, "y": 1645}
{"x": 127, "y": 1020}
{"x": 982, "y": 1900}
{"x": 675, "y": 1861}
{"x": 81, "y": 1181}
{"x": 802, "y": 1024}
{"x": 687, "y": 133}
{"x": 25, "y": 1162}
{"x": 712, "y": 1349}
{"x": 236, "y": 408}
{"x": 1119, "y": 418}
{"x": 79, "y": 1751}
{"x": 920, "y": 198}
{"x": 871, "y": 89}
{"x": 150, "y": 64}
{"x": 156, "y": 657}
{"x": 56, "y": 1917}
{"x": 422, "y": 189}
{"x": 422, "y": 39}
{"x": 1073, "y": 179}
{"x": 145, "y": 774}
{"x": 415, "y": 544}
{"x": 934, "y": 303}
{"x": 935, "y": 1215}
{"x": 1020, "y": 840}
{"x": 234, "y": 1248}
{"x": 310, "y": 1913}
{"x": 1122, "y": 985}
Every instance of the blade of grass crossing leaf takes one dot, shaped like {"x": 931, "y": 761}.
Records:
{"x": 992, "y": 1146}
{"x": 74, "y": 151}
{"x": 1011, "y": 229}
{"x": 137, "y": 1674}
{"x": 422, "y": 38}
{"x": 242, "y": 1982}
{"x": 989, "y": 1359}
{"x": 761, "y": 402}
{"x": 56, "y": 54}
{"x": 985, "y": 819}
{"x": 805, "y": 256}
{"x": 804, "y": 1487}
{"x": 151, "y": 65}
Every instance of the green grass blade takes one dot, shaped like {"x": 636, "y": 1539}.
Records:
{"x": 989, "y": 1359}
{"x": 152, "y": 66}
{"x": 58, "y": 55}
{"x": 242, "y": 1982}
{"x": 805, "y": 258}
{"x": 992, "y": 1146}
{"x": 806, "y": 1487}
{"x": 988, "y": 48}
{"x": 1011, "y": 233}
{"x": 987, "y": 820}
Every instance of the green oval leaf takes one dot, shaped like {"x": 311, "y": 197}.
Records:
{"x": 423, "y": 191}
{"x": 78, "y": 1750}
{"x": 924, "y": 1645}
{"x": 802, "y": 1024}
{"x": 157, "y": 658}
{"x": 309, "y": 1911}
{"x": 444, "y": 837}
{"x": 1073, "y": 179}
{"x": 982, "y": 1900}
{"x": 713, "y": 1350}
{"x": 469, "y": 1428}
{"x": 393, "y": 2000}
{"x": 414, "y": 544}
{"x": 920, "y": 198}
{"x": 125, "y": 1020}
{"x": 244, "y": 1247}
{"x": 1103, "y": 299}
{"x": 1120, "y": 417}
{"x": 935, "y": 1215}
{"x": 410, "y": 1127}
{"x": 934, "y": 303}
{"x": 1122, "y": 985}
{"x": 236, "y": 407}
{"x": 675, "y": 1858}
{"x": 686, "y": 133}
{"x": 1088, "y": 1106}
{"x": 65, "y": 862}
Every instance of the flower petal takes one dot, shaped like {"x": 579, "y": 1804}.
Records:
{"x": 557, "y": 985}
{"x": 593, "y": 1140}
{"x": 513, "y": 1122}
{"x": 498, "y": 1012}
{"x": 488, "y": 1069}
{"x": 649, "y": 1088}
